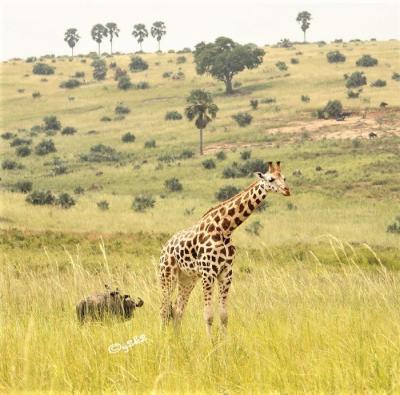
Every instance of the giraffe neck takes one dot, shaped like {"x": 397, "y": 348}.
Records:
{"x": 232, "y": 213}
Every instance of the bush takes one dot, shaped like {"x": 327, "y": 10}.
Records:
{"x": 36, "y": 94}
{"x": 100, "y": 69}
{"x": 220, "y": 155}
{"x": 305, "y": 98}
{"x": 113, "y": 65}
{"x": 150, "y": 143}
{"x": 173, "y": 185}
{"x": 103, "y": 205}
{"x": 65, "y": 200}
{"x": 181, "y": 59}
{"x": 105, "y": 119}
{"x": 143, "y": 202}
{"x": 245, "y": 169}
{"x": 254, "y": 104}
{"x": 79, "y": 190}
{"x": 208, "y": 164}
{"x": 186, "y": 154}
{"x": 333, "y": 109}
{"x": 335, "y": 57}
{"x": 119, "y": 73}
{"x": 281, "y": 66}
{"x": 173, "y": 116}
{"x": 167, "y": 74}
{"x": 41, "y": 198}
{"x": 101, "y": 153}
{"x": 138, "y": 64}
{"x": 8, "y": 164}
{"x": 367, "y": 61}
{"x": 353, "y": 94}
{"x": 23, "y": 151}
{"x": 70, "y": 84}
{"x": 226, "y": 192}
{"x": 284, "y": 43}
{"x": 124, "y": 83}
{"x": 142, "y": 85}
{"x": 378, "y": 83}
{"x": 242, "y": 118}
{"x": 43, "y": 69}
{"x": 268, "y": 100}
{"x": 128, "y": 138}
{"x": 51, "y": 123}
{"x": 396, "y": 76}
{"x": 23, "y": 186}
{"x": 45, "y": 147}
{"x": 356, "y": 79}
{"x": 166, "y": 158}
{"x": 7, "y": 135}
{"x": 31, "y": 59}
{"x": 244, "y": 155}
{"x": 395, "y": 226}
{"x": 294, "y": 61}
{"x": 79, "y": 74}
{"x": 19, "y": 141}
{"x": 68, "y": 130}
{"x": 121, "y": 109}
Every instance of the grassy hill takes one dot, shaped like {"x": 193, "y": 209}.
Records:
{"x": 314, "y": 304}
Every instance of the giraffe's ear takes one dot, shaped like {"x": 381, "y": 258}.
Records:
{"x": 270, "y": 167}
{"x": 259, "y": 175}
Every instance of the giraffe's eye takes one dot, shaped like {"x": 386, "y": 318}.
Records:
{"x": 271, "y": 179}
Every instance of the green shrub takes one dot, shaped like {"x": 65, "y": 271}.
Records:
{"x": 70, "y": 84}
{"x": 242, "y": 118}
{"x": 79, "y": 190}
{"x": 186, "y": 154}
{"x": 103, "y": 205}
{"x": 101, "y": 153}
{"x": 173, "y": 116}
{"x": 42, "y": 69}
{"x": 65, "y": 200}
{"x": 20, "y": 141}
{"x": 143, "y": 202}
{"x": 268, "y": 100}
{"x": 9, "y": 164}
{"x": 23, "y": 151}
{"x": 356, "y": 80}
{"x": 226, "y": 192}
{"x": 353, "y": 94}
{"x": 395, "y": 226}
{"x": 124, "y": 83}
{"x": 220, "y": 155}
{"x": 244, "y": 155}
{"x": 367, "y": 61}
{"x": 99, "y": 69}
{"x": 254, "y": 104}
{"x": 396, "y": 76}
{"x": 281, "y": 66}
{"x": 150, "y": 143}
{"x": 333, "y": 109}
{"x": 128, "y": 138}
{"x": 23, "y": 186}
{"x": 31, "y": 59}
{"x": 138, "y": 64}
{"x": 45, "y": 147}
{"x": 167, "y": 74}
{"x": 294, "y": 61}
{"x": 142, "y": 85}
{"x": 51, "y": 123}
{"x": 7, "y": 135}
{"x": 119, "y": 73}
{"x": 105, "y": 119}
{"x": 36, "y": 94}
{"x": 173, "y": 185}
{"x": 68, "y": 130}
{"x": 166, "y": 158}
{"x": 41, "y": 198}
{"x": 378, "y": 83}
{"x": 208, "y": 164}
{"x": 335, "y": 57}
{"x": 305, "y": 98}
{"x": 79, "y": 74}
{"x": 121, "y": 109}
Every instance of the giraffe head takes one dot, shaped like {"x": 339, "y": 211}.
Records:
{"x": 273, "y": 180}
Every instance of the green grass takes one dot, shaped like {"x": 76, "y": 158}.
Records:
{"x": 315, "y": 297}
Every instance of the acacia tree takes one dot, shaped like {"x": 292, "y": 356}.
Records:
{"x": 140, "y": 33}
{"x": 304, "y": 18}
{"x": 98, "y": 32}
{"x": 224, "y": 58}
{"x": 71, "y": 37}
{"x": 201, "y": 109}
{"x": 112, "y": 30}
{"x": 157, "y": 31}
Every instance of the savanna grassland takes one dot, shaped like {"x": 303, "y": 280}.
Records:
{"x": 314, "y": 305}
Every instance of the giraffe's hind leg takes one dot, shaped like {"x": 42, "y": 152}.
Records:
{"x": 224, "y": 283}
{"x": 185, "y": 287}
{"x": 168, "y": 279}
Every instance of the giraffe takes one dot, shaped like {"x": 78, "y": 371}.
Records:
{"x": 205, "y": 250}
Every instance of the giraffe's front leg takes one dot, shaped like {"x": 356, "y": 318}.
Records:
{"x": 208, "y": 282}
{"x": 224, "y": 283}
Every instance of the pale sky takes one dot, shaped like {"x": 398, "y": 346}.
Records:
{"x": 36, "y": 27}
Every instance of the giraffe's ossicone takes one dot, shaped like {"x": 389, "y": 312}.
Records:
{"x": 205, "y": 251}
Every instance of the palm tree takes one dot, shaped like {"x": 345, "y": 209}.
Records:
{"x": 304, "y": 17}
{"x": 140, "y": 33}
{"x": 157, "y": 31}
{"x": 202, "y": 109}
{"x": 112, "y": 31}
{"x": 98, "y": 33}
{"x": 71, "y": 37}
